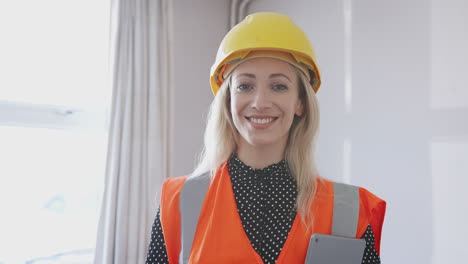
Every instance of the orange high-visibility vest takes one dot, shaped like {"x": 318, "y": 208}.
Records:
{"x": 220, "y": 237}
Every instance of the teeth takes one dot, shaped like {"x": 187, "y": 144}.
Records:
{"x": 261, "y": 121}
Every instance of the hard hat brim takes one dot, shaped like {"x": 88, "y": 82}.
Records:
{"x": 232, "y": 60}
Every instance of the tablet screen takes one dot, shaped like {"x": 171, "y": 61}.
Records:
{"x": 327, "y": 249}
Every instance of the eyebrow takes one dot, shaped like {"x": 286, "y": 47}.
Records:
{"x": 271, "y": 75}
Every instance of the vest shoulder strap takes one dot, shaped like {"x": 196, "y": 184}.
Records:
{"x": 191, "y": 201}
{"x": 345, "y": 210}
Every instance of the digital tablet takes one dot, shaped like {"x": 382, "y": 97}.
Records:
{"x": 327, "y": 249}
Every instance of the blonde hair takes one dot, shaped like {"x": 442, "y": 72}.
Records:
{"x": 221, "y": 137}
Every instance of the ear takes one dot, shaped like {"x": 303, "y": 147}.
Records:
{"x": 299, "y": 108}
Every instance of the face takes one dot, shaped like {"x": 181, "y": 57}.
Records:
{"x": 264, "y": 100}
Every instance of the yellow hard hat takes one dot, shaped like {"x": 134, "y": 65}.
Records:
{"x": 269, "y": 32}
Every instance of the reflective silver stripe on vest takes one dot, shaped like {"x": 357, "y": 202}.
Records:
{"x": 191, "y": 200}
{"x": 345, "y": 210}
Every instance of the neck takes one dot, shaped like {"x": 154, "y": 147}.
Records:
{"x": 258, "y": 157}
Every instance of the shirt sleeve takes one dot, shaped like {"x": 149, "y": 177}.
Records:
{"x": 157, "y": 253}
{"x": 371, "y": 256}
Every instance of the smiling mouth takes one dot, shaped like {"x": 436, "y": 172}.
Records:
{"x": 264, "y": 120}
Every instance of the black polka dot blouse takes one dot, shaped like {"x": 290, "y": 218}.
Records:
{"x": 265, "y": 201}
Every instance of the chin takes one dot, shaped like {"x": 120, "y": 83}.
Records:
{"x": 261, "y": 141}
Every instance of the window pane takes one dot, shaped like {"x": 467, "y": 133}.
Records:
{"x": 50, "y": 191}
{"x": 54, "y": 51}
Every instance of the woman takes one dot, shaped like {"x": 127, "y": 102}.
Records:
{"x": 256, "y": 196}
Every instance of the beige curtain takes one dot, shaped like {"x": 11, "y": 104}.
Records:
{"x": 139, "y": 136}
{"x": 238, "y": 10}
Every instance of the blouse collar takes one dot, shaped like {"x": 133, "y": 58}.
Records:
{"x": 277, "y": 170}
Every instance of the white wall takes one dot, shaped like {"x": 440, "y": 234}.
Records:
{"x": 199, "y": 27}
{"x": 394, "y": 107}
{"x": 399, "y": 127}
{"x": 448, "y": 126}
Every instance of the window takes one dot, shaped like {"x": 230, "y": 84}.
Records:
{"x": 54, "y": 108}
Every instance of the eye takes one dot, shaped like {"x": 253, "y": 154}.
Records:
{"x": 244, "y": 87}
{"x": 280, "y": 87}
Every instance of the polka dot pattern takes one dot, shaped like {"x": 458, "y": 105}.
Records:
{"x": 157, "y": 249}
{"x": 370, "y": 254}
{"x": 265, "y": 201}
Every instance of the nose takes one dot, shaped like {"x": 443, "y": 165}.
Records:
{"x": 261, "y": 100}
